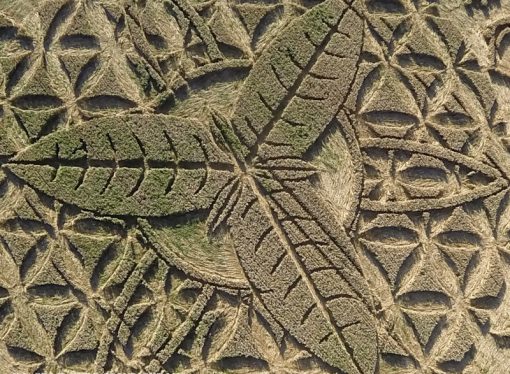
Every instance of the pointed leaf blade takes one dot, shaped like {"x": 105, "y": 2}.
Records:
{"x": 130, "y": 165}
{"x": 299, "y": 83}
{"x": 304, "y": 273}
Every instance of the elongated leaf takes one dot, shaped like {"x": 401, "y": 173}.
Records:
{"x": 132, "y": 165}
{"x": 412, "y": 176}
{"x": 304, "y": 271}
{"x": 299, "y": 83}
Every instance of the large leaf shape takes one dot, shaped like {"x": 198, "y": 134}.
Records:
{"x": 304, "y": 270}
{"x": 128, "y": 165}
{"x": 300, "y": 82}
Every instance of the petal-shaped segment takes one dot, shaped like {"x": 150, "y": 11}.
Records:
{"x": 403, "y": 175}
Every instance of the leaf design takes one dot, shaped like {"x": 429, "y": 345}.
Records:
{"x": 303, "y": 271}
{"x": 115, "y": 166}
{"x": 302, "y": 268}
{"x": 409, "y": 176}
{"x": 300, "y": 82}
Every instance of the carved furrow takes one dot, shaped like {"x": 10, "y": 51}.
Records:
{"x": 143, "y": 173}
{"x": 119, "y": 307}
{"x": 206, "y": 157}
{"x": 183, "y": 330}
{"x": 223, "y": 205}
{"x": 200, "y": 26}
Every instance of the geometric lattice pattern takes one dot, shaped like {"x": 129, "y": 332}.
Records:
{"x": 248, "y": 186}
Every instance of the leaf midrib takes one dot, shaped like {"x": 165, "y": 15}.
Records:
{"x": 138, "y": 163}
